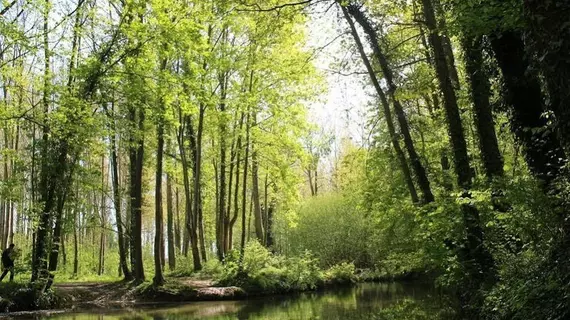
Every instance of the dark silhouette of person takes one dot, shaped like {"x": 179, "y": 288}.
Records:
{"x": 8, "y": 262}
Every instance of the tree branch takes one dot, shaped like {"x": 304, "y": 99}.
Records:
{"x": 258, "y": 8}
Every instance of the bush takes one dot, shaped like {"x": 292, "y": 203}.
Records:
{"x": 334, "y": 228}
{"x": 343, "y": 273}
{"x": 23, "y": 297}
{"x": 265, "y": 272}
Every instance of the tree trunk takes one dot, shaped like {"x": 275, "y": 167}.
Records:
{"x": 177, "y": 226}
{"x": 269, "y": 230}
{"x": 197, "y": 219}
{"x": 170, "y": 224}
{"x": 543, "y": 151}
{"x": 191, "y": 221}
{"x": 236, "y": 189}
{"x": 75, "y": 245}
{"x": 136, "y": 153}
{"x": 415, "y": 160}
{"x": 478, "y": 262}
{"x": 386, "y": 108}
{"x": 101, "y": 268}
{"x": 455, "y": 128}
{"x": 158, "y": 279}
{"x": 258, "y": 220}
{"x": 244, "y": 184}
{"x": 221, "y": 214}
{"x": 550, "y": 33}
{"x": 118, "y": 204}
{"x": 480, "y": 93}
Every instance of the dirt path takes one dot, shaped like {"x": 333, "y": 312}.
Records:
{"x": 98, "y": 294}
{"x": 123, "y": 294}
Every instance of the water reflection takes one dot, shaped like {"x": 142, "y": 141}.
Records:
{"x": 365, "y": 301}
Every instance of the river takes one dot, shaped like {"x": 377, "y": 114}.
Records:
{"x": 363, "y": 301}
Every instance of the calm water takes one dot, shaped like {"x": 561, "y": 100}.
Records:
{"x": 365, "y": 301}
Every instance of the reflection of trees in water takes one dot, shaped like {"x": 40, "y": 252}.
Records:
{"x": 364, "y": 301}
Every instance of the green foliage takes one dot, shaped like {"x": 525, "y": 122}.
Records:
{"x": 332, "y": 227}
{"x": 16, "y": 296}
{"x": 265, "y": 272}
{"x": 414, "y": 310}
{"x": 343, "y": 273}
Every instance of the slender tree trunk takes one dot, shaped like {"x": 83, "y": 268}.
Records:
{"x": 221, "y": 219}
{"x": 310, "y": 176}
{"x": 191, "y": 218}
{"x": 258, "y": 220}
{"x": 63, "y": 251}
{"x": 244, "y": 184}
{"x": 229, "y": 207}
{"x": 480, "y": 93}
{"x": 39, "y": 263}
{"x": 158, "y": 279}
{"x": 386, "y": 108}
{"x": 197, "y": 232}
{"x": 117, "y": 203}
{"x": 103, "y": 218}
{"x": 236, "y": 189}
{"x": 136, "y": 155}
{"x": 415, "y": 160}
{"x": 75, "y": 245}
{"x": 316, "y": 180}
{"x": 269, "y": 230}
{"x": 177, "y": 226}
{"x": 170, "y": 224}
{"x": 478, "y": 261}
{"x": 461, "y": 158}
{"x": 543, "y": 151}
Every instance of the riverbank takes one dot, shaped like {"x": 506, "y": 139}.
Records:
{"x": 409, "y": 301}
{"x": 21, "y": 298}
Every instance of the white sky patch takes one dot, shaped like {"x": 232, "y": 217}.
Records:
{"x": 342, "y": 110}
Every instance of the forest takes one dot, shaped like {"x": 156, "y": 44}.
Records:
{"x": 145, "y": 141}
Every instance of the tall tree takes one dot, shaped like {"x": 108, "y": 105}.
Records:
{"x": 418, "y": 167}
{"x": 480, "y": 94}
{"x": 386, "y": 108}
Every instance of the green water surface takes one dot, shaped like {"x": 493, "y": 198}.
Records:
{"x": 364, "y": 301}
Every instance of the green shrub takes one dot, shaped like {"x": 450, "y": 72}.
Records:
{"x": 263, "y": 271}
{"x": 333, "y": 227}
{"x": 343, "y": 273}
{"x": 23, "y": 297}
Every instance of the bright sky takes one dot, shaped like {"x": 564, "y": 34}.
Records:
{"x": 342, "y": 110}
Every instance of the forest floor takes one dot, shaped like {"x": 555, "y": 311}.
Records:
{"x": 124, "y": 294}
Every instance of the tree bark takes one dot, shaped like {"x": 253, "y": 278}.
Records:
{"x": 191, "y": 218}
{"x": 480, "y": 93}
{"x": 136, "y": 156}
{"x": 478, "y": 262}
{"x": 75, "y": 245}
{"x": 117, "y": 203}
{"x": 170, "y": 224}
{"x": 258, "y": 220}
{"x": 221, "y": 214}
{"x": 549, "y": 27}
{"x": 386, "y": 108}
{"x": 236, "y": 189}
{"x": 158, "y": 279}
{"x": 103, "y": 220}
{"x": 244, "y": 184}
{"x": 543, "y": 151}
{"x": 415, "y": 160}
{"x": 455, "y": 128}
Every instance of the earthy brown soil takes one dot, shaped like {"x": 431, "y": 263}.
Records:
{"x": 124, "y": 294}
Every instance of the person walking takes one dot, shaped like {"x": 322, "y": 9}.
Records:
{"x": 8, "y": 262}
